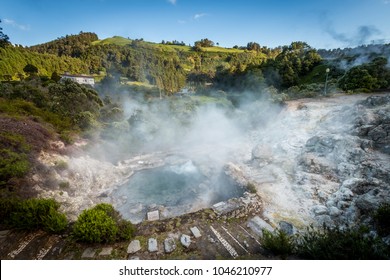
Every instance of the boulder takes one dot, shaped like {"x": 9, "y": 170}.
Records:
{"x": 319, "y": 210}
{"x": 287, "y": 228}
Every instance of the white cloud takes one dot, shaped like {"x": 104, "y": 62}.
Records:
{"x": 173, "y": 2}
{"x": 13, "y": 23}
{"x": 198, "y": 16}
{"x": 180, "y": 21}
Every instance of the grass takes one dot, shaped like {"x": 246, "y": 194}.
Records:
{"x": 221, "y": 49}
{"x": 20, "y": 108}
{"x": 116, "y": 40}
{"x": 121, "y": 41}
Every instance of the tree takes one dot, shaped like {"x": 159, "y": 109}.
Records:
{"x": 4, "y": 39}
{"x": 204, "y": 43}
{"x": 253, "y": 46}
{"x": 30, "y": 69}
{"x": 55, "y": 77}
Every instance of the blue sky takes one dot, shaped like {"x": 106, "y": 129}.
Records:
{"x": 320, "y": 23}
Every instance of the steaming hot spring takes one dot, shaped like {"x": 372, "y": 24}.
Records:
{"x": 173, "y": 190}
{"x": 311, "y": 161}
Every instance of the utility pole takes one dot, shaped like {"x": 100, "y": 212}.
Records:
{"x": 326, "y": 80}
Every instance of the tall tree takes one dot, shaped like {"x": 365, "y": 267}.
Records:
{"x": 4, "y": 39}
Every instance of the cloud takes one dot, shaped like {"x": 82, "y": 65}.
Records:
{"x": 180, "y": 21}
{"x": 386, "y": 2}
{"x": 16, "y": 25}
{"x": 173, "y": 2}
{"x": 198, "y": 16}
{"x": 364, "y": 34}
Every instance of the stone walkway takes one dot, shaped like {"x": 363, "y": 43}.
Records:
{"x": 201, "y": 241}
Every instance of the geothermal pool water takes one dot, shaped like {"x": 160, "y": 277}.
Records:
{"x": 178, "y": 189}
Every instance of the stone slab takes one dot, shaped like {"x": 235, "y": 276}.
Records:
{"x": 257, "y": 224}
{"x": 152, "y": 245}
{"x": 88, "y": 253}
{"x": 153, "y": 216}
{"x": 134, "y": 247}
{"x": 195, "y": 231}
{"x": 185, "y": 240}
{"x": 106, "y": 251}
{"x": 169, "y": 245}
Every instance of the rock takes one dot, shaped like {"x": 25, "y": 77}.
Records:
{"x": 320, "y": 145}
{"x": 153, "y": 215}
{"x": 262, "y": 152}
{"x": 133, "y": 258}
{"x": 152, "y": 245}
{"x": 169, "y": 245}
{"x": 319, "y": 210}
{"x": 134, "y": 247}
{"x": 4, "y": 233}
{"x": 185, "y": 240}
{"x": 257, "y": 225}
{"x": 325, "y": 220}
{"x": 287, "y": 228}
{"x": 106, "y": 251}
{"x": 368, "y": 202}
{"x": 195, "y": 231}
{"x": 88, "y": 253}
{"x": 334, "y": 211}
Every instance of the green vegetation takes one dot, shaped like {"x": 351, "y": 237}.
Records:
{"x": 337, "y": 244}
{"x": 348, "y": 243}
{"x": 32, "y": 214}
{"x": 4, "y": 39}
{"x": 278, "y": 243}
{"x": 382, "y": 219}
{"x": 368, "y": 76}
{"x": 102, "y": 223}
{"x": 116, "y": 40}
{"x": 14, "y": 59}
{"x": 13, "y": 156}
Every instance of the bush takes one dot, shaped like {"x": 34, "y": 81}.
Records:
{"x": 101, "y": 223}
{"x": 32, "y": 214}
{"x": 251, "y": 187}
{"x": 278, "y": 242}
{"x": 337, "y": 244}
{"x": 382, "y": 219}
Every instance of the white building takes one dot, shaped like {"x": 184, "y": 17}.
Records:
{"x": 80, "y": 79}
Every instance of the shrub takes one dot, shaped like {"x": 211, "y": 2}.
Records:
{"x": 278, "y": 242}
{"x": 382, "y": 219}
{"x": 335, "y": 243}
{"x": 251, "y": 188}
{"x": 33, "y": 213}
{"x": 101, "y": 223}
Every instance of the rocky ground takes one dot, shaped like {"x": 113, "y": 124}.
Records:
{"x": 319, "y": 161}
